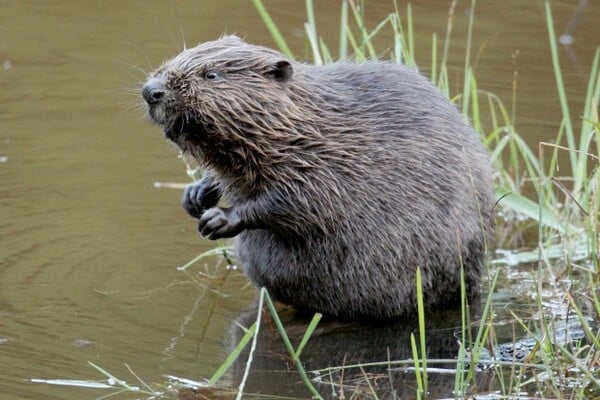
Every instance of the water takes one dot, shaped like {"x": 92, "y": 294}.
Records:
{"x": 89, "y": 247}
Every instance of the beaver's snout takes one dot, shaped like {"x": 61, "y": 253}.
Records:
{"x": 153, "y": 91}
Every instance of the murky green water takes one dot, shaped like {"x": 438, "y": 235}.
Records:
{"x": 88, "y": 246}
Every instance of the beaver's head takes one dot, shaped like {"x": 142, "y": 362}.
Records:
{"x": 219, "y": 92}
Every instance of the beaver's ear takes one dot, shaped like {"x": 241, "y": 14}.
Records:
{"x": 281, "y": 71}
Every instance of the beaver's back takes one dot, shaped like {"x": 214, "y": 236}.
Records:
{"x": 408, "y": 184}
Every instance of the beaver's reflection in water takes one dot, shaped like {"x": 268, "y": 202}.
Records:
{"x": 335, "y": 344}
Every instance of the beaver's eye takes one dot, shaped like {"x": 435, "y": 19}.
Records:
{"x": 212, "y": 75}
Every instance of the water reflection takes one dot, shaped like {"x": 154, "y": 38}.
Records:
{"x": 337, "y": 344}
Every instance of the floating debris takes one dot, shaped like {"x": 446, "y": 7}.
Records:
{"x": 76, "y": 382}
{"x": 4, "y": 340}
{"x": 168, "y": 185}
{"x": 80, "y": 342}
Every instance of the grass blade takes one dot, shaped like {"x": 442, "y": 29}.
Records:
{"x": 421, "y": 316}
{"x": 564, "y": 105}
{"x": 343, "y": 51}
{"x": 309, "y": 331}
{"x": 529, "y": 208}
{"x": 288, "y": 344}
{"x": 250, "y": 333}
{"x": 273, "y": 30}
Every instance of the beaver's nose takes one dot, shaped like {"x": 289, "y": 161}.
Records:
{"x": 153, "y": 90}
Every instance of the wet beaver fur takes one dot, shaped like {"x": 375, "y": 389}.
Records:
{"x": 340, "y": 179}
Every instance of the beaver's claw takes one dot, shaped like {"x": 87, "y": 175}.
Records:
{"x": 200, "y": 196}
{"x": 218, "y": 223}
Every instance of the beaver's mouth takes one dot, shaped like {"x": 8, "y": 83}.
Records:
{"x": 176, "y": 128}
{"x": 184, "y": 128}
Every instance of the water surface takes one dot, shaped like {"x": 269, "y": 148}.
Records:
{"x": 89, "y": 247}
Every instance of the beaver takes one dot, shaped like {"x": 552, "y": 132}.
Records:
{"x": 340, "y": 180}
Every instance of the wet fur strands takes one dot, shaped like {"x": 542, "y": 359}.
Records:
{"x": 341, "y": 179}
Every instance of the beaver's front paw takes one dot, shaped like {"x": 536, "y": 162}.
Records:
{"x": 217, "y": 223}
{"x": 200, "y": 196}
